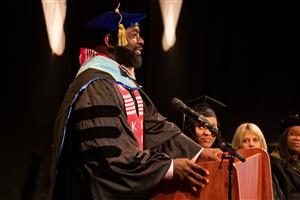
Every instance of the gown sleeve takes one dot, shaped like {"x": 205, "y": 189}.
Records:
{"x": 108, "y": 150}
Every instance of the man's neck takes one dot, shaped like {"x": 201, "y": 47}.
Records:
{"x": 131, "y": 71}
{"x": 128, "y": 70}
{"x": 104, "y": 50}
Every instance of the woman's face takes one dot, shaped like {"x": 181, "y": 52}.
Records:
{"x": 293, "y": 140}
{"x": 203, "y": 135}
{"x": 250, "y": 140}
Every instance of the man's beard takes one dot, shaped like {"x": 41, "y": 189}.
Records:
{"x": 128, "y": 58}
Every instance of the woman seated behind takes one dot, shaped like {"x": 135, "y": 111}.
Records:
{"x": 285, "y": 161}
{"x": 194, "y": 129}
{"x": 249, "y": 135}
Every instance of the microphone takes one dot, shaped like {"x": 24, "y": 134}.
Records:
{"x": 177, "y": 104}
{"x": 226, "y": 147}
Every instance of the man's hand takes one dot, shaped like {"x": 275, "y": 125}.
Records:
{"x": 193, "y": 174}
{"x": 210, "y": 154}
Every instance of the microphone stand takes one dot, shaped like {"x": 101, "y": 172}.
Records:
{"x": 225, "y": 146}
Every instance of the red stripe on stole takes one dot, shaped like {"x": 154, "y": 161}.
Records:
{"x": 135, "y": 120}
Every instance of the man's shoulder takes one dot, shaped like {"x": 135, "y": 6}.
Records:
{"x": 91, "y": 74}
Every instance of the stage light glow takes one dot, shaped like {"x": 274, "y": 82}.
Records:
{"x": 55, "y": 14}
{"x": 170, "y": 10}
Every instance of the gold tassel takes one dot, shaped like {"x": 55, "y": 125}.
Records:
{"x": 122, "y": 41}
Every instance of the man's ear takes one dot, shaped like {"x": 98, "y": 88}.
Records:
{"x": 109, "y": 42}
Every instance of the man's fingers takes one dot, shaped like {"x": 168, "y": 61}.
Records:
{"x": 200, "y": 170}
{"x": 196, "y": 177}
{"x": 197, "y": 181}
{"x": 191, "y": 173}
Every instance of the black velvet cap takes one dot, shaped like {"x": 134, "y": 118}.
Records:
{"x": 292, "y": 120}
{"x": 109, "y": 21}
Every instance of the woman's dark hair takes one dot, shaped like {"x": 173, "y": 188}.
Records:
{"x": 282, "y": 145}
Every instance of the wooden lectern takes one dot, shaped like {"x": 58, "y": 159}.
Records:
{"x": 251, "y": 180}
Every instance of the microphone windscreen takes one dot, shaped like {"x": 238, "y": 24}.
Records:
{"x": 176, "y": 103}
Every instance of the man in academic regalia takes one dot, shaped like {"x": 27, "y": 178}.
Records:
{"x": 110, "y": 142}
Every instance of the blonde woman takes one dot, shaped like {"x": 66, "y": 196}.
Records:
{"x": 248, "y": 135}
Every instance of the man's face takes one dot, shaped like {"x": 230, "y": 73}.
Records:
{"x": 130, "y": 55}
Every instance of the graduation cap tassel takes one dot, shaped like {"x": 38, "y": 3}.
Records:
{"x": 122, "y": 36}
{"x": 121, "y": 30}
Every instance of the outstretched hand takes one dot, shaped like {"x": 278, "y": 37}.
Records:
{"x": 193, "y": 174}
{"x": 210, "y": 154}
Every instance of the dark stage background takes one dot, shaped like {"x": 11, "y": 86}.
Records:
{"x": 243, "y": 53}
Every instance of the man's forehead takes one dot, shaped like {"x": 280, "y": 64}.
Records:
{"x": 134, "y": 27}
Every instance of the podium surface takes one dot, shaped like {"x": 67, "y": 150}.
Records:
{"x": 251, "y": 180}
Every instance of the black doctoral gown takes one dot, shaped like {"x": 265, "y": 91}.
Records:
{"x": 95, "y": 152}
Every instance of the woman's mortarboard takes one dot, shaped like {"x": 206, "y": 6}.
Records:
{"x": 292, "y": 120}
{"x": 205, "y": 100}
{"x": 204, "y": 105}
{"x": 112, "y": 21}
